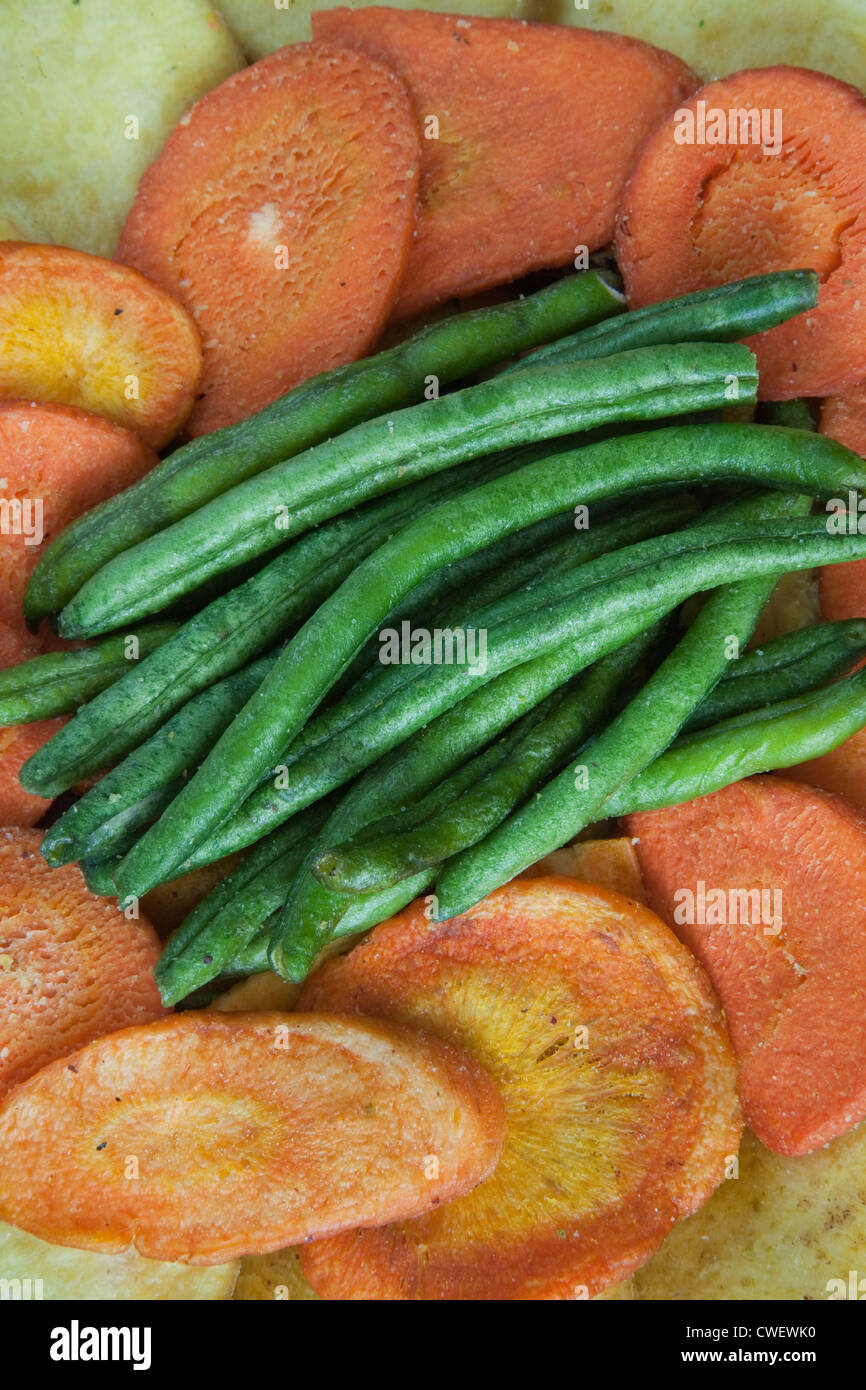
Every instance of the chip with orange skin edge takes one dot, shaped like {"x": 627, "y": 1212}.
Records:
{"x": 248, "y": 1132}
{"x": 281, "y": 212}
{"x": 764, "y": 880}
{"x": 615, "y": 1070}
{"x": 87, "y": 332}
{"x": 72, "y": 966}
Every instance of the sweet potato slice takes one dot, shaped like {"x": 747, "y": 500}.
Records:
{"x": 56, "y": 462}
{"x": 281, "y": 212}
{"x": 248, "y": 1132}
{"x": 72, "y": 967}
{"x": 615, "y": 1070}
{"x": 83, "y": 331}
{"x": 766, "y": 176}
{"x": 528, "y": 137}
{"x": 789, "y": 960}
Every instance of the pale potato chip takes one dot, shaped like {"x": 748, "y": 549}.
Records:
{"x": 786, "y": 1228}
{"x": 617, "y": 1292}
{"x": 276, "y": 1276}
{"x": 11, "y": 231}
{"x": 265, "y": 991}
{"x": 719, "y": 39}
{"x": 88, "y": 95}
{"x": 33, "y": 1269}
{"x": 264, "y": 25}
{"x": 794, "y": 603}
{"x": 611, "y": 863}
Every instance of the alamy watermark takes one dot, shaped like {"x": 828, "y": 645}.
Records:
{"x": 846, "y": 517}
{"x": 441, "y": 646}
{"x": 712, "y": 125}
{"x": 21, "y": 516}
{"x": 719, "y": 907}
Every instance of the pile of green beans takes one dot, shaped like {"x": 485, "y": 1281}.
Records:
{"x": 263, "y": 721}
{"x": 253, "y": 743}
{"x": 322, "y": 407}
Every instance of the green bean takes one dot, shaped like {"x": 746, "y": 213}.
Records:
{"x": 765, "y": 740}
{"x": 475, "y": 798}
{"x": 122, "y": 803}
{"x": 99, "y": 875}
{"x": 232, "y": 629}
{"x": 384, "y": 860}
{"x": 724, "y": 313}
{"x": 141, "y": 786}
{"x": 786, "y": 667}
{"x": 394, "y": 450}
{"x": 317, "y": 654}
{"x": 59, "y": 682}
{"x": 493, "y": 569}
{"x": 510, "y": 591}
{"x": 649, "y": 723}
{"x": 116, "y": 836}
{"x": 795, "y": 415}
{"x": 252, "y": 958}
{"x": 223, "y": 924}
{"x": 324, "y": 406}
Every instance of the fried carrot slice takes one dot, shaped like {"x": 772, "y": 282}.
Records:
{"x": 248, "y": 1132}
{"x": 615, "y": 1071}
{"x": 765, "y": 881}
{"x": 87, "y": 332}
{"x": 72, "y": 967}
{"x": 528, "y": 137}
{"x": 760, "y": 171}
{"x": 56, "y": 462}
{"x": 281, "y": 212}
